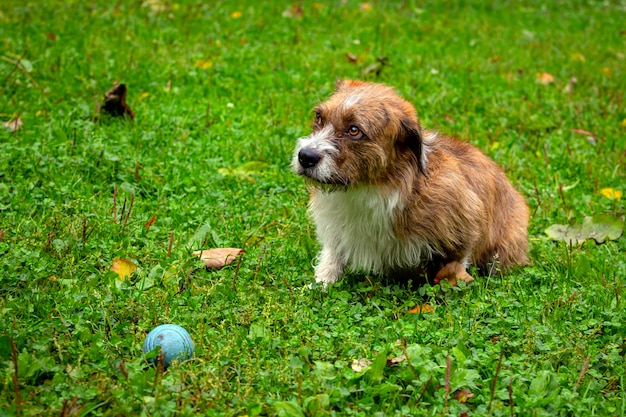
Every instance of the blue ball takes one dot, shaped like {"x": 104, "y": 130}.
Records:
{"x": 175, "y": 343}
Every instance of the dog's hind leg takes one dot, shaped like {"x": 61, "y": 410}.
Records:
{"x": 453, "y": 272}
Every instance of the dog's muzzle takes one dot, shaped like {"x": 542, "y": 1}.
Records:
{"x": 309, "y": 157}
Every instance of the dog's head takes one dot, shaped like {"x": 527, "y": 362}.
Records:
{"x": 359, "y": 134}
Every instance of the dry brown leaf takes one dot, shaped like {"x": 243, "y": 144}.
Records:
{"x": 13, "y": 125}
{"x": 115, "y": 102}
{"x": 295, "y": 10}
{"x": 396, "y": 360}
{"x": 150, "y": 222}
{"x": 124, "y": 268}
{"x": 351, "y": 57}
{"x": 359, "y": 365}
{"x": 51, "y": 36}
{"x": 591, "y": 137}
{"x": 219, "y": 257}
{"x": 462, "y": 395}
{"x": 424, "y": 308}
{"x": 545, "y": 78}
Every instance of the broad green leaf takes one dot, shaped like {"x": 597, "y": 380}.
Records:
{"x": 543, "y": 385}
{"x": 288, "y": 409}
{"x": 378, "y": 367}
{"x": 600, "y": 227}
{"x": 5, "y": 348}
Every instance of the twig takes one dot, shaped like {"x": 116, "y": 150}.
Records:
{"x": 237, "y": 271}
{"x": 123, "y": 210}
{"x": 510, "y": 389}
{"x": 84, "y": 229}
{"x": 495, "y": 379}
{"x": 130, "y": 210}
{"x": 16, "y": 382}
{"x": 582, "y": 372}
{"x": 115, "y": 203}
{"x": 408, "y": 359}
{"x": 447, "y": 384}
{"x": 258, "y": 265}
{"x": 69, "y": 407}
{"x": 426, "y": 385}
{"x": 169, "y": 245}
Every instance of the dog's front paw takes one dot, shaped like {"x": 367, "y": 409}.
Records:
{"x": 318, "y": 285}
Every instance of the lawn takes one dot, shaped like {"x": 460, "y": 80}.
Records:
{"x": 221, "y": 91}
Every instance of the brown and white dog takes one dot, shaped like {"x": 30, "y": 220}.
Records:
{"x": 390, "y": 197}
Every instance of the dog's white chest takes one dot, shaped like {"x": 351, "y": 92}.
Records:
{"x": 358, "y": 225}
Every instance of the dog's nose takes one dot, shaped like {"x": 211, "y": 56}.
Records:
{"x": 308, "y": 157}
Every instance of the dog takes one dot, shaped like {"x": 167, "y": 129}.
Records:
{"x": 388, "y": 196}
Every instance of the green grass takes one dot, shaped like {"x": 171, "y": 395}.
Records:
{"x": 220, "y": 98}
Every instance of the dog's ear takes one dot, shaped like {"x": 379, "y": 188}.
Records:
{"x": 345, "y": 84}
{"x": 411, "y": 137}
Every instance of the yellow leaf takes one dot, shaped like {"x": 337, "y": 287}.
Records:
{"x": 144, "y": 95}
{"x": 545, "y": 78}
{"x": 578, "y": 57}
{"x": 424, "y": 308}
{"x": 611, "y": 193}
{"x": 623, "y": 123}
{"x": 462, "y": 395}
{"x": 366, "y": 7}
{"x": 607, "y": 71}
{"x": 203, "y": 64}
{"x": 236, "y": 15}
{"x": 124, "y": 268}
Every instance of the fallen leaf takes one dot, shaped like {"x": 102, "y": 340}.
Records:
{"x": 462, "y": 395}
{"x": 396, "y": 360}
{"x": 150, "y": 221}
{"x": 545, "y": 78}
{"x": 115, "y": 102}
{"x": 51, "y": 36}
{"x": 607, "y": 71}
{"x": 124, "y": 268}
{"x": 359, "y": 365}
{"x": 295, "y": 10}
{"x": 424, "y": 308}
{"x": 591, "y": 138}
{"x": 578, "y": 57}
{"x": 219, "y": 257}
{"x": 351, "y": 57}
{"x": 377, "y": 67}
{"x": 600, "y": 227}
{"x": 366, "y": 7}
{"x": 155, "y": 6}
{"x": 13, "y": 125}
{"x": 236, "y": 14}
{"x": 569, "y": 88}
{"x": 205, "y": 64}
{"x": 611, "y": 193}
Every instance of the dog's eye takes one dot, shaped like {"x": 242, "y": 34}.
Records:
{"x": 354, "y": 131}
{"x": 318, "y": 118}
